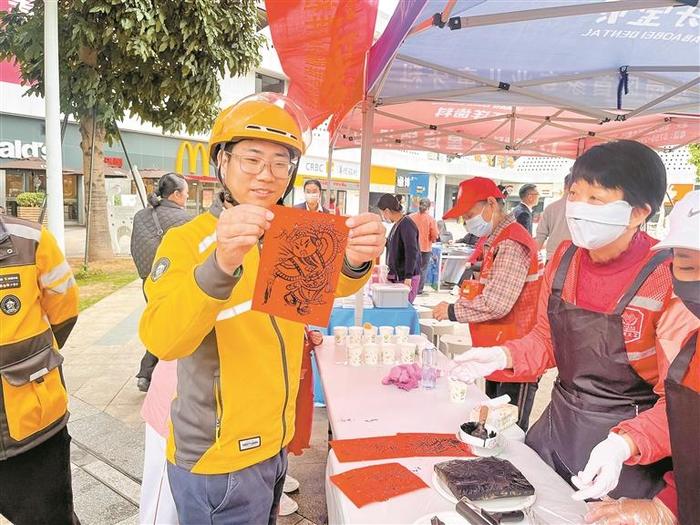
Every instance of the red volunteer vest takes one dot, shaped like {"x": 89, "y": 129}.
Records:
{"x": 520, "y": 320}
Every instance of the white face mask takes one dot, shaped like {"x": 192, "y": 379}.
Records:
{"x": 312, "y": 197}
{"x": 594, "y": 226}
{"x": 478, "y": 226}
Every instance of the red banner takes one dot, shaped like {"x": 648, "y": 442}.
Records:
{"x": 322, "y": 46}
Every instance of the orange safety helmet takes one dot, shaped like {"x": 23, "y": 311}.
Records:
{"x": 265, "y": 116}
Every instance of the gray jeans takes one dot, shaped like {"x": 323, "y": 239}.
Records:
{"x": 247, "y": 497}
{"x": 424, "y": 263}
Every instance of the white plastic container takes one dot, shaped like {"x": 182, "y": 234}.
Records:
{"x": 390, "y": 295}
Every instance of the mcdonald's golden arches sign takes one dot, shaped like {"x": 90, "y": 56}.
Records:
{"x": 193, "y": 151}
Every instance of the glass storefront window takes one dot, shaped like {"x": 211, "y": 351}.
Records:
{"x": 268, "y": 83}
{"x": 14, "y": 184}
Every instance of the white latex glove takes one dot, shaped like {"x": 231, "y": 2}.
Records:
{"x": 603, "y": 469}
{"x": 479, "y": 362}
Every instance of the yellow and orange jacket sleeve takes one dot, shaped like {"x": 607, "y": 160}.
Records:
{"x": 57, "y": 287}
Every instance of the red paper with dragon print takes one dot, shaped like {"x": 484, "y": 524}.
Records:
{"x": 377, "y": 483}
{"x": 300, "y": 264}
{"x": 400, "y": 446}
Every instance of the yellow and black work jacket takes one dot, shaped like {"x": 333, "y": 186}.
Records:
{"x": 38, "y": 308}
{"x": 238, "y": 369}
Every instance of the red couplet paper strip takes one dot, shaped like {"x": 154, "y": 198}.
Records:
{"x": 301, "y": 259}
{"x": 400, "y": 446}
{"x": 377, "y": 483}
{"x": 322, "y": 46}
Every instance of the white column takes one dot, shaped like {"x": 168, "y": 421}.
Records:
{"x": 365, "y": 168}
{"x": 54, "y": 162}
{"x": 439, "y": 196}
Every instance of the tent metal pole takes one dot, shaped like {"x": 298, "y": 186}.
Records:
{"x": 665, "y": 123}
{"x": 662, "y": 80}
{"x": 463, "y": 22}
{"x": 557, "y": 125}
{"x": 424, "y": 125}
{"x": 512, "y": 128}
{"x": 691, "y": 106}
{"x": 554, "y": 101}
{"x": 437, "y": 95}
{"x": 664, "y": 69}
{"x": 545, "y": 123}
{"x": 541, "y": 118}
{"x": 470, "y": 137}
{"x": 489, "y": 134}
{"x": 365, "y": 168}
{"x": 659, "y": 100}
{"x": 329, "y": 170}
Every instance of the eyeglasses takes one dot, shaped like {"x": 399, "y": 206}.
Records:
{"x": 280, "y": 169}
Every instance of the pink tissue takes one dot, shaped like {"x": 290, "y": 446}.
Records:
{"x": 406, "y": 377}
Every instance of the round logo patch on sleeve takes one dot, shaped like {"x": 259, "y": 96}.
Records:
{"x": 159, "y": 268}
{"x": 10, "y": 304}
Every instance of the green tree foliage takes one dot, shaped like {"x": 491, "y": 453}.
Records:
{"x": 695, "y": 159}
{"x": 160, "y": 61}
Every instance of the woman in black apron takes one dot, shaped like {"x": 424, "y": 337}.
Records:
{"x": 615, "y": 188}
{"x": 679, "y": 503}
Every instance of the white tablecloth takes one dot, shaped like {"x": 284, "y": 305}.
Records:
{"x": 360, "y": 406}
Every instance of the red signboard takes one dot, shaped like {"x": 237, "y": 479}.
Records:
{"x": 115, "y": 162}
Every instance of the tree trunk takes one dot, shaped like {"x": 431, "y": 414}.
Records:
{"x": 99, "y": 243}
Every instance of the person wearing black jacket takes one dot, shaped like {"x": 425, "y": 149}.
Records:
{"x": 166, "y": 209}
{"x": 403, "y": 250}
{"x": 529, "y": 197}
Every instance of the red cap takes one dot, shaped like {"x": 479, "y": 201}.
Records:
{"x": 470, "y": 192}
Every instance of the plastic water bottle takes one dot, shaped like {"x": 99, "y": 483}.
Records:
{"x": 429, "y": 369}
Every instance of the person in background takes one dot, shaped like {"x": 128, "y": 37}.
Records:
{"x": 501, "y": 305}
{"x": 402, "y": 246}
{"x": 679, "y": 500}
{"x": 553, "y": 228}
{"x": 529, "y": 197}
{"x": 157, "y": 505}
{"x": 2, "y": 210}
{"x": 603, "y": 320}
{"x": 165, "y": 210}
{"x": 333, "y": 207}
{"x": 427, "y": 235}
{"x": 303, "y": 419}
{"x": 238, "y": 369}
{"x": 445, "y": 235}
{"x": 312, "y": 197}
{"x": 38, "y": 310}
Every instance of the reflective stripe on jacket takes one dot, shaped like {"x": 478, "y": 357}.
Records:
{"x": 38, "y": 309}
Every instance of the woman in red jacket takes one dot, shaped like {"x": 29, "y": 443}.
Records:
{"x": 680, "y": 499}
{"x": 602, "y": 321}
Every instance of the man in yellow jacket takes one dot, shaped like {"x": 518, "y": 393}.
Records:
{"x": 38, "y": 309}
{"x": 238, "y": 370}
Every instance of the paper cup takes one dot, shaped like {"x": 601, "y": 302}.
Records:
{"x": 340, "y": 333}
{"x": 458, "y": 390}
{"x": 371, "y": 355}
{"x": 408, "y": 353}
{"x": 370, "y": 335}
{"x": 389, "y": 354}
{"x": 355, "y": 355}
{"x": 355, "y": 334}
{"x": 386, "y": 332}
{"x": 403, "y": 332}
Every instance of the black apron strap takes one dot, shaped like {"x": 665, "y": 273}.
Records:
{"x": 681, "y": 363}
{"x": 648, "y": 268}
{"x": 562, "y": 270}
